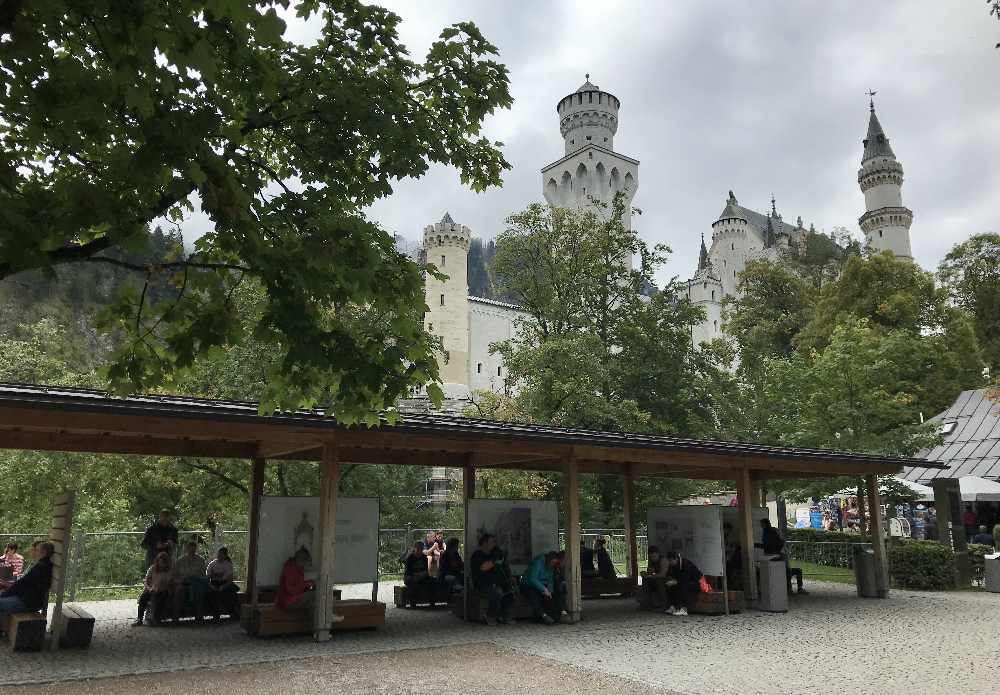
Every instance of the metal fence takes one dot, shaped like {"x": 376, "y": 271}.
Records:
{"x": 835, "y": 555}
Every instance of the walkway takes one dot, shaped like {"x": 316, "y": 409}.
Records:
{"x": 926, "y": 642}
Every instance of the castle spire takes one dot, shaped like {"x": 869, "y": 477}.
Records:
{"x": 875, "y": 142}
{"x": 703, "y": 261}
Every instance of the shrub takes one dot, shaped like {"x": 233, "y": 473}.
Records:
{"x": 977, "y": 562}
{"x": 921, "y": 565}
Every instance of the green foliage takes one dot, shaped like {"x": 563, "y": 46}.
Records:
{"x": 977, "y": 559}
{"x": 971, "y": 274}
{"x": 773, "y": 306}
{"x": 925, "y": 565}
{"x": 113, "y": 120}
{"x": 479, "y": 257}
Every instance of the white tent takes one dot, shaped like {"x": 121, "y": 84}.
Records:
{"x": 973, "y": 489}
{"x": 924, "y": 493}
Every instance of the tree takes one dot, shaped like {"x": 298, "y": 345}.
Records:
{"x": 819, "y": 258}
{"x": 479, "y": 274}
{"x": 771, "y": 307}
{"x": 971, "y": 274}
{"x": 113, "y": 120}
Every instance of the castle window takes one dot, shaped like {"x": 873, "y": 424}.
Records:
{"x": 704, "y": 285}
{"x": 442, "y": 300}
{"x": 479, "y": 368}
{"x": 713, "y": 295}
{"x": 572, "y": 142}
{"x": 442, "y": 261}
{"x": 732, "y": 247}
{"x": 498, "y": 371}
{"x": 590, "y": 97}
{"x": 734, "y": 272}
{"x": 579, "y": 98}
{"x": 588, "y": 137}
{"x": 880, "y": 234}
{"x": 605, "y": 139}
{"x": 715, "y": 325}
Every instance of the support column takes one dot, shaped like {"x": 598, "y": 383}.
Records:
{"x": 862, "y": 514}
{"x": 468, "y": 493}
{"x": 329, "y": 483}
{"x": 631, "y": 549}
{"x": 571, "y": 496}
{"x": 257, "y": 472}
{"x": 744, "y": 490}
{"x": 878, "y": 540}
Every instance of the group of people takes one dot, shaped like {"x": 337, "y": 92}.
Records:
{"x": 605, "y": 566}
{"x": 188, "y": 585}
{"x": 434, "y": 566}
{"x": 25, "y": 591}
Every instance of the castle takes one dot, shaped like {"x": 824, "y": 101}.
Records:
{"x": 591, "y": 169}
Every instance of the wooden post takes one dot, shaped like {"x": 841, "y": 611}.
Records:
{"x": 60, "y": 535}
{"x": 878, "y": 541}
{"x": 631, "y": 549}
{"x": 329, "y": 482}
{"x": 253, "y": 531}
{"x": 468, "y": 493}
{"x": 744, "y": 489}
{"x": 862, "y": 514}
{"x": 571, "y": 495}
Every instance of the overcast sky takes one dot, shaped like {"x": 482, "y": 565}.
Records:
{"x": 758, "y": 97}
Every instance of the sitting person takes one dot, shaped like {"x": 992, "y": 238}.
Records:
{"x": 294, "y": 592}
{"x": 586, "y": 562}
{"x": 683, "y": 583}
{"x": 11, "y": 560}
{"x": 653, "y": 592}
{"x": 190, "y": 585}
{"x": 433, "y": 553}
{"x": 605, "y": 567}
{"x": 491, "y": 579}
{"x": 222, "y": 592}
{"x": 30, "y": 592}
{"x": 452, "y": 567}
{"x": 540, "y": 587}
{"x": 984, "y": 537}
{"x": 416, "y": 577}
{"x": 155, "y": 590}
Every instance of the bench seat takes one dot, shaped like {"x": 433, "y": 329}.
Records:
{"x": 421, "y": 595}
{"x": 521, "y": 609}
{"x": 267, "y": 620}
{"x": 78, "y": 627}
{"x": 26, "y": 631}
{"x": 599, "y": 587}
{"x": 712, "y": 603}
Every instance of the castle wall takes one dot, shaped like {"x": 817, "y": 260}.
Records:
{"x": 489, "y": 322}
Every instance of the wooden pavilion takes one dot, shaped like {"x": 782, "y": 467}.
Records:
{"x": 59, "y": 419}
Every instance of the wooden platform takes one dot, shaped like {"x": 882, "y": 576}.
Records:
{"x": 425, "y": 595}
{"x": 26, "y": 631}
{"x": 597, "y": 587}
{"x": 521, "y": 610}
{"x": 78, "y": 627}
{"x": 713, "y": 604}
{"x": 267, "y": 620}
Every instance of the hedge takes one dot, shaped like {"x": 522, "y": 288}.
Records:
{"x": 921, "y": 564}
{"x": 977, "y": 562}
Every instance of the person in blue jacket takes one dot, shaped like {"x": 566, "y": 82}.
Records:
{"x": 541, "y": 589}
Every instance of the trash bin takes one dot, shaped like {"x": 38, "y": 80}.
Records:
{"x": 864, "y": 571}
{"x": 992, "y": 563}
{"x": 773, "y": 585}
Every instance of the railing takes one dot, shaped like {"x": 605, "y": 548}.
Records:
{"x": 825, "y": 558}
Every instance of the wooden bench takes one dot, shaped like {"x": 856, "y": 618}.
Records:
{"x": 26, "y": 631}
{"x": 78, "y": 627}
{"x": 421, "y": 595}
{"x": 712, "y": 603}
{"x": 267, "y": 620}
{"x": 598, "y": 587}
{"x": 359, "y": 614}
{"x": 520, "y": 610}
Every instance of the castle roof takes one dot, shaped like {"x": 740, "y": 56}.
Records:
{"x": 759, "y": 220}
{"x": 447, "y": 219}
{"x": 588, "y": 86}
{"x": 876, "y": 143}
{"x": 703, "y": 261}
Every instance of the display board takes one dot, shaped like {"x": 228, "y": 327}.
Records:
{"x": 524, "y": 528}
{"x": 694, "y": 531}
{"x": 290, "y": 523}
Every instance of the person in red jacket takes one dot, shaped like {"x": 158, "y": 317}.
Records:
{"x": 294, "y": 592}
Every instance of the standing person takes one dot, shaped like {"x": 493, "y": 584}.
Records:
{"x": 683, "y": 583}
{"x": 223, "y": 593}
{"x": 653, "y": 592}
{"x": 190, "y": 585}
{"x": 491, "y": 579}
{"x": 160, "y": 537}
{"x": 586, "y": 561}
{"x": 969, "y": 520}
{"x": 31, "y": 591}
{"x": 416, "y": 575}
{"x": 452, "y": 567}
{"x": 605, "y": 566}
{"x": 11, "y": 559}
{"x": 155, "y": 590}
{"x": 294, "y": 592}
{"x": 984, "y": 537}
{"x": 540, "y": 587}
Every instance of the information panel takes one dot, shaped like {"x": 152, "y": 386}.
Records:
{"x": 524, "y": 528}
{"x": 694, "y": 531}
{"x": 290, "y": 523}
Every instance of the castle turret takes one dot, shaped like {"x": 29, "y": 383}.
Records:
{"x": 886, "y": 222}
{"x": 588, "y": 116}
{"x": 446, "y": 245}
{"x": 705, "y": 291}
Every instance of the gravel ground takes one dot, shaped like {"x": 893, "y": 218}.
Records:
{"x": 467, "y": 669}
{"x": 830, "y": 641}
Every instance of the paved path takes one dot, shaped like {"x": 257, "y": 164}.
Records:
{"x": 830, "y": 641}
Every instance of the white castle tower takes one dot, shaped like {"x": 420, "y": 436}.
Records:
{"x": 705, "y": 290}
{"x": 588, "y": 121}
{"x": 447, "y": 245}
{"x": 886, "y": 223}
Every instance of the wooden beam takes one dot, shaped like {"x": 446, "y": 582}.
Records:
{"x": 631, "y": 547}
{"x": 281, "y": 449}
{"x": 257, "y": 472}
{"x": 571, "y": 498}
{"x": 744, "y": 486}
{"x": 878, "y": 540}
{"x": 96, "y": 443}
{"x": 328, "y": 488}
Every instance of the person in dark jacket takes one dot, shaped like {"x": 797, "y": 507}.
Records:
{"x": 683, "y": 583}
{"x": 416, "y": 578}
{"x": 452, "y": 566}
{"x": 771, "y": 541}
{"x": 160, "y": 537}
{"x": 984, "y": 537}
{"x": 605, "y": 566}
{"x": 492, "y": 579}
{"x": 30, "y": 593}
{"x": 586, "y": 562}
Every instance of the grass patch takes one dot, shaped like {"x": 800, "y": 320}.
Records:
{"x": 825, "y": 573}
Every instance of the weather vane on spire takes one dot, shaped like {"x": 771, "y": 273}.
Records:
{"x": 871, "y": 99}
{"x": 587, "y": 76}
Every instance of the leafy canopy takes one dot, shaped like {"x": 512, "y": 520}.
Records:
{"x": 113, "y": 120}
{"x": 971, "y": 274}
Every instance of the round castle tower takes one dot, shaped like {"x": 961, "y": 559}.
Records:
{"x": 588, "y": 116}
{"x": 447, "y": 245}
{"x": 886, "y": 222}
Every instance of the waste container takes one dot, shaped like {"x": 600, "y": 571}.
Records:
{"x": 773, "y": 585}
{"x": 864, "y": 571}
{"x": 992, "y": 563}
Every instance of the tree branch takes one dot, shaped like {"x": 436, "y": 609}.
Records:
{"x": 218, "y": 474}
